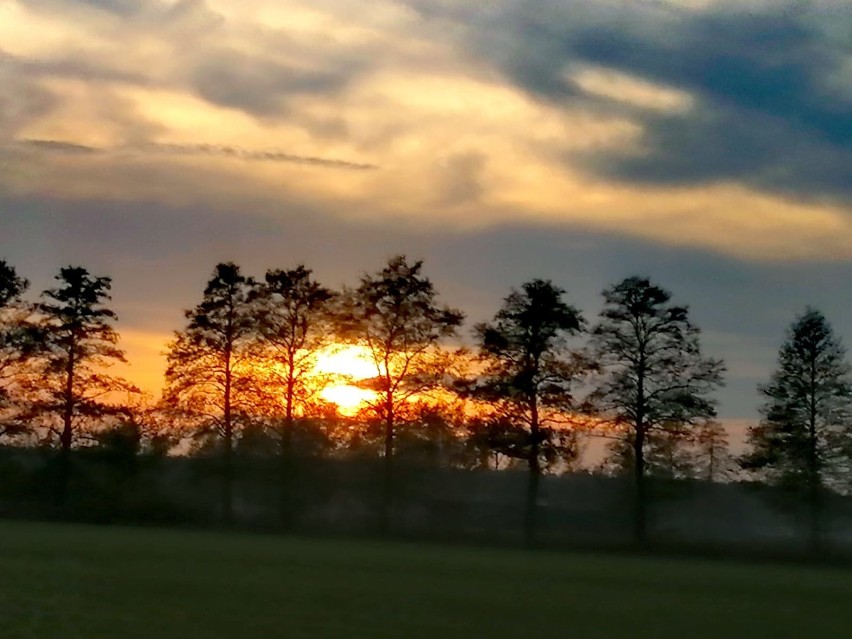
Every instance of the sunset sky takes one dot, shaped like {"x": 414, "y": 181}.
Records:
{"x": 705, "y": 143}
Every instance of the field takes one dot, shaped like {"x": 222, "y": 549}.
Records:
{"x": 121, "y": 583}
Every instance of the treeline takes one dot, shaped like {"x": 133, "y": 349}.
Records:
{"x": 243, "y": 377}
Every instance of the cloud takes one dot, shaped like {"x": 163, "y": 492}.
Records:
{"x": 592, "y": 116}
{"x": 207, "y": 150}
{"x": 768, "y": 82}
{"x": 257, "y": 85}
{"x": 216, "y": 150}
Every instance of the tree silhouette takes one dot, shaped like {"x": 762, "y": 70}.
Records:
{"x": 805, "y": 433}
{"x": 530, "y": 372}
{"x": 17, "y": 344}
{"x": 78, "y": 345}
{"x": 395, "y": 315}
{"x": 295, "y": 323}
{"x": 655, "y": 378}
{"x": 209, "y": 372}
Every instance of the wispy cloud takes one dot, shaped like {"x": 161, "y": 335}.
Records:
{"x": 210, "y": 150}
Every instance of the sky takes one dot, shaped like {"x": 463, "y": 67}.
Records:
{"x": 706, "y": 144}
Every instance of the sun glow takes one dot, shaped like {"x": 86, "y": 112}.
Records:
{"x": 346, "y": 360}
{"x": 345, "y": 365}
{"x": 348, "y": 399}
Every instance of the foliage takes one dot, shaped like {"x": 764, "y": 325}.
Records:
{"x": 17, "y": 345}
{"x": 806, "y": 433}
{"x": 656, "y": 383}
{"x": 713, "y": 460}
{"x": 210, "y": 372}
{"x": 294, "y": 317}
{"x": 394, "y": 313}
{"x": 655, "y": 377}
{"x": 77, "y": 346}
{"x": 530, "y": 372}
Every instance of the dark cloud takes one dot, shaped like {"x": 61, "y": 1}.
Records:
{"x": 159, "y": 11}
{"x": 216, "y": 150}
{"x": 61, "y": 147}
{"x": 766, "y": 113}
{"x": 772, "y": 108}
{"x": 260, "y": 86}
{"x": 22, "y": 99}
{"x": 79, "y": 67}
{"x": 209, "y": 150}
{"x": 120, "y": 7}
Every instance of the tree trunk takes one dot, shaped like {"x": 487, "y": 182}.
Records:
{"x": 814, "y": 483}
{"x": 287, "y": 469}
{"x": 67, "y": 436}
{"x": 228, "y": 457}
{"x": 387, "y": 475}
{"x": 640, "y": 514}
{"x": 288, "y": 418}
{"x": 640, "y": 511}
{"x": 814, "y": 490}
{"x": 711, "y": 471}
{"x": 533, "y": 480}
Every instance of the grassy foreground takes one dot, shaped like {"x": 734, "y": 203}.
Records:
{"x": 119, "y": 583}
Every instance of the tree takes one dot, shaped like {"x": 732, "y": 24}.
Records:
{"x": 530, "y": 373}
{"x": 210, "y": 370}
{"x": 497, "y": 442}
{"x": 79, "y": 344}
{"x": 713, "y": 457}
{"x": 655, "y": 378}
{"x": 669, "y": 453}
{"x": 395, "y": 316}
{"x": 702, "y": 452}
{"x": 805, "y": 433}
{"x": 294, "y": 320}
{"x": 17, "y": 344}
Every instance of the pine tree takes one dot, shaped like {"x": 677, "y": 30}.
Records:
{"x": 530, "y": 373}
{"x": 210, "y": 369}
{"x": 713, "y": 459}
{"x": 805, "y": 434}
{"x": 394, "y": 314}
{"x": 17, "y": 345}
{"x": 294, "y": 315}
{"x": 73, "y": 389}
{"x": 79, "y": 344}
{"x": 655, "y": 379}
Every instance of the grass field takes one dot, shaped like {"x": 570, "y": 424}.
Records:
{"x": 121, "y": 583}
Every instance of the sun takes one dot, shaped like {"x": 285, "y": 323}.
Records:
{"x": 346, "y": 360}
{"x": 344, "y": 365}
{"x": 350, "y": 400}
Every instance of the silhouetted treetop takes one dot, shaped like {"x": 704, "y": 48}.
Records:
{"x": 12, "y": 285}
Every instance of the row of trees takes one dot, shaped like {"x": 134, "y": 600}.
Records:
{"x": 245, "y": 364}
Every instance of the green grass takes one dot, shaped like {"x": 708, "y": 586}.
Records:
{"x": 120, "y": 583}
